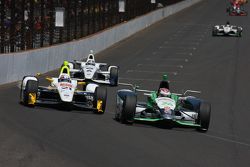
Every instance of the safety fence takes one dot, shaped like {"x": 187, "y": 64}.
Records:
{"x": 28, "y": 24}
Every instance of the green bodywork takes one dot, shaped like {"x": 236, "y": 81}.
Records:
{"x": 151, "y": 103}
{"x": 151, "y": 100}
{"x": 180, "y": 122}
{"x": 148, "y": 119}
{"x": 186, "y": 123}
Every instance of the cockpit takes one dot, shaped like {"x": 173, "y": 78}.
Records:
{"x": 90, "y": 62}
{"x": 64, "y": 78}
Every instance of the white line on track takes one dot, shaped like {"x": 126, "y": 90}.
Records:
{"x": 142, "y": 79}
{"x": 152, "y": 72}
{"x": 178, "y": 47}
{"x": 154, "y": 65}
{"x": 193, "y": 39}
{"x": 167, "y": 59}
{"x": 227, "y": 140}
{"x": 182, "y": 44}
{"x": 184, "y": 53}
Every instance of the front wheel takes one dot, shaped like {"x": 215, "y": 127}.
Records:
{"x": 214, "y": 32}
{"x": 128, "y": 110}
{"x": 30, "y": 93}
{"x": 100, "y": 98}
{"x": 204, "y": 116}
{"x": 114, "y": 76}
{"x": 240, "y": 34}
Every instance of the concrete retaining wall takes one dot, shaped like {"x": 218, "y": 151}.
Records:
{"x": 14, "y": 66}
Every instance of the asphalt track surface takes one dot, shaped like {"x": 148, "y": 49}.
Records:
{"x": 181, "y": 46}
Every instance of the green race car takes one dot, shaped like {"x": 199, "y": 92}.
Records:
{"x": 162, "y": 105}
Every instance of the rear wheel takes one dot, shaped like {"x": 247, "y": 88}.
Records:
{"x": 100, "y": 100}
{"x": 128, "y": 112}
{"x": 114, "y": 76}
{"x": 204, "y": 116}
{"x": 30, "y": 92}
{"x": 239, "y": 34}
{"x": 214, "y": 32}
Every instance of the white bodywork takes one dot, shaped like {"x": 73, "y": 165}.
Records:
{"x": 227, "y": 29}
{"x": 90, "y": 68}
{"x": 91, "y": 87}
{"x": 65, "y": 89}
{"x": 165, "y": 102}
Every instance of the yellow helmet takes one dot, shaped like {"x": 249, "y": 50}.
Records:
{"x": 65, "y": 63}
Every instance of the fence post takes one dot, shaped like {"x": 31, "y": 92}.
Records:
{"x": 94, "y": 16}
{"x": 88, "y": 27}
{"x": 68, "y": 19}
{"x": 75, "y": 19}
{"x": 31, "y": 25}
{"x": 22, "y": 12}
{"x": 12, "y": 34}
{"x": 2, "y": 27}
{"x": 52, "y": 24}
{"x": 82, "y": 18}
{"x": 42, "y": 23}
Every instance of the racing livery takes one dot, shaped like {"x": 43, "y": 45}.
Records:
{"x": 63, "y": 90}
{"x": 177, "y": 109}
{"x": 227, "y": 30}
{"x": 91, "y": 71}
{"x": 236, "y": 8}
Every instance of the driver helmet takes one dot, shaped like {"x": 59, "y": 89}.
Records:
{"x": 228, "y": 23}
{"x": 65, "y": 63}
{"x": 90, "y": 62}
{"x": 64, "y": 78}
{"x": 164, "y": 92}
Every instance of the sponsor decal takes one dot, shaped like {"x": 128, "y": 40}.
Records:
{"x": 64, "y": 85}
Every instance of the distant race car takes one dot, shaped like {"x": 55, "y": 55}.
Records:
{"x": 236, "y": 8}
{"x": 63, "y": 90}
{"x": 91, "y": 71}
{"x": 186, "y": 111}
{"x": 236, "y": 11}
{"x": 227, "y": 30}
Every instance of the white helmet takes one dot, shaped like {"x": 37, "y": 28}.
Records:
{"x": 164, "y": 92}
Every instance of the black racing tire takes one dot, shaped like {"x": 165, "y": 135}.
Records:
{"x": 100, "y": 94}
{"x": 214, "y": 32}
{"x": 240, "y": 34}
{"x": 31, "y": 87}
{"x": 128, "y": 110}
{"x": 114, "y": 76}
{"x": 204, "y": 116}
